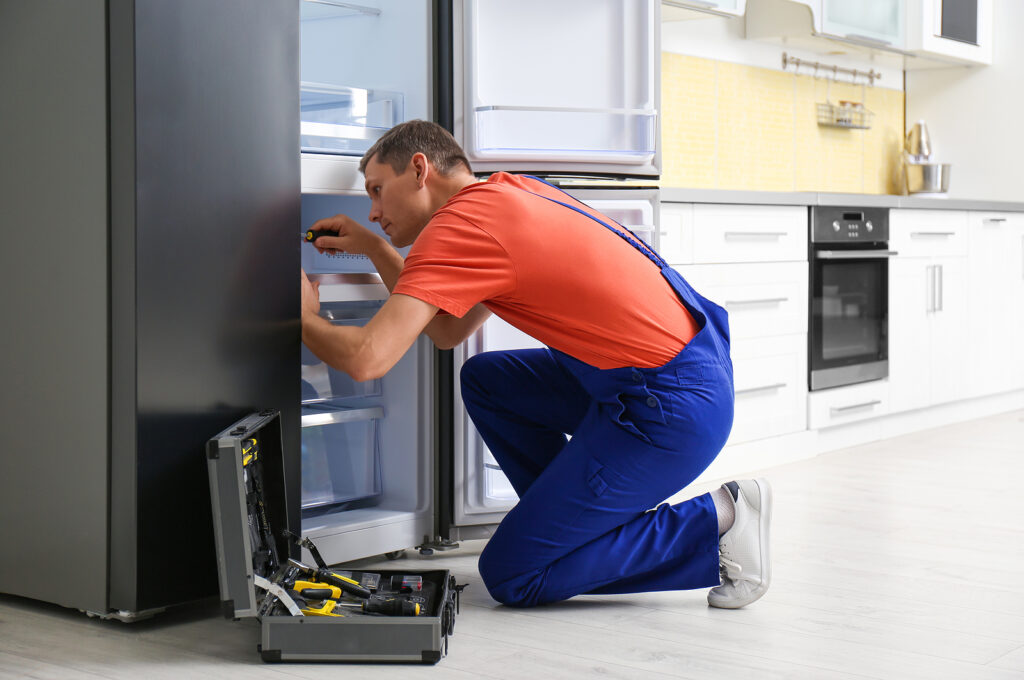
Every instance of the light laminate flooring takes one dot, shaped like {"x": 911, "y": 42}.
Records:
{"x": 902, "y": 558}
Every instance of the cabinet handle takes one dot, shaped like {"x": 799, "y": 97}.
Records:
{"x": 762, "y": 301}
{"x": 755, "y": 234}
{"x": 929, "y": 302}
{"x": 933, "y": 233}
{"x": 762, "y": 388}
{"x": 994, "y": 219}
{"x": 938, "y": 288}
{"x": 842, "y": 409}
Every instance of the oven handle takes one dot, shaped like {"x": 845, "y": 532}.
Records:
{"x": 854, "y": 254}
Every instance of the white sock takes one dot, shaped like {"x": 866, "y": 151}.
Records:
{"x": 725, "y": 508}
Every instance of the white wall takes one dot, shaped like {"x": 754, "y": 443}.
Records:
{"x": 973, "y": 114}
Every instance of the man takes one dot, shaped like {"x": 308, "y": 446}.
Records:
{"x": 636, "y": 373}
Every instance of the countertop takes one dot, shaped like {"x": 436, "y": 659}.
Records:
{"x": 675, "y": 195}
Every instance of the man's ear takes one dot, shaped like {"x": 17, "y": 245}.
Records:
{"x": 421, "y": 166}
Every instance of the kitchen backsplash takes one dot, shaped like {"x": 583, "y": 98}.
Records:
{"x": 730, "y": 126}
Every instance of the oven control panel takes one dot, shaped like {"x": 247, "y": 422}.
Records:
{"x": 831, "y": 224}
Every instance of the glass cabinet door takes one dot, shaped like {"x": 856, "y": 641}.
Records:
{"x": 867, "y": 21}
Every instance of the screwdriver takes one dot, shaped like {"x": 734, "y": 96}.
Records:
{"x": 325, "y": 576}
{"x": 391, "y": 607}
{"x": 313, "y": 234}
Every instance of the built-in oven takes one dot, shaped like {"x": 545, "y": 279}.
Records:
{"x": 849, "y": 296}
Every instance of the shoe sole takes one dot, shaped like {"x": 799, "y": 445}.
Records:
{"x": 764, "y": 529}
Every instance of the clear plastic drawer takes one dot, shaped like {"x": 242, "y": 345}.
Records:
{"x": 340, "y": 454}
{"x": 320, "y": 382}
{"x": 336, "y": 119}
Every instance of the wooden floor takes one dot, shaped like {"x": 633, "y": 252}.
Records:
{"x": 898, "y": 559}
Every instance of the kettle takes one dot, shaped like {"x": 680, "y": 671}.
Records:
{"x": 919, "y": 142}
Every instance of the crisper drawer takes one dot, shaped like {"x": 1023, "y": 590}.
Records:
{"x": 768, "y": 298}
{"x": 749, "y": 233}
{"x": 320, "y": 382}
{"x": 771, "y": 387}
{"x": 928, "y": 233}
{"x": 842, "y": 405}
{"x": 340, "y": 454}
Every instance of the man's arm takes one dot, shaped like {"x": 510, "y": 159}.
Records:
{"x": 447, "y": 331}
{"x": 364, "y": 352}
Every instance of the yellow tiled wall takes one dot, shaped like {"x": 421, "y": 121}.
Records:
{"x": 729, "y": 126}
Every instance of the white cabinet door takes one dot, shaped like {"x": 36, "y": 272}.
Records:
{"x": 928, "y": 333}
{"x": 928, "y": 37}
{"x": 996, "y": 303}
{"x": 910, "y": 305}
{"x": 559, "y": 87}
{"x": 868, "y": 22}
{"x": 928, "y": 233}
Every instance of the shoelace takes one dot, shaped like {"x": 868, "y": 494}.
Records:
{"x": 729, "y": 570}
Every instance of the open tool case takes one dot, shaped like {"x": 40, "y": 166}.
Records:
{"x": 258, "y": 579}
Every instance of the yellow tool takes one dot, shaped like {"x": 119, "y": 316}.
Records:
{"x": 326, "y": 608}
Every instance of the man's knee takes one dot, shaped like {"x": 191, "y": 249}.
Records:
{"x": 513, "y": 591}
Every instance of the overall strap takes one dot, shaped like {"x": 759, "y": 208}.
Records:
{"x": 626, "y": 234}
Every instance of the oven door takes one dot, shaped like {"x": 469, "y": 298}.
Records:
{"x": 848, "y": 324}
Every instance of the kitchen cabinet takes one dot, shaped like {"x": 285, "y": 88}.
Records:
{"x": 749, "y": 233}
{"x": 673, "y": 10}
{"x": 928, "y": 318}
{"x": 812, "y": 24}
{"x": 951, "y": 31}
{"x": 751, "y": 260}
{"x": 848, "y": 404}
{"x": 995, "y": 362}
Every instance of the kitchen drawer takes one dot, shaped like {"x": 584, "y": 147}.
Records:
{"x": 762, "y": 298}
{"x": 842, "y": 405}
{"x": 749, "y": 233}
{"x": 928, "y": 233}
{"x": 771, "y": 387}
{"x": 676, "y": 235}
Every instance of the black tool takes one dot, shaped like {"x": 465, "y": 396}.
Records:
{"x": 313, "y": 234}
{"x": 389, "y": 607}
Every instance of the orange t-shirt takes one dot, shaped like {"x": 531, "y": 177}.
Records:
{"x": 551, "y": 272}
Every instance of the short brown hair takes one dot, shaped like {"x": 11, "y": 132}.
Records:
{"x": 400, "y": 143}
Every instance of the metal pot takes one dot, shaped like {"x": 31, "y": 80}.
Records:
{"x": 928, "y": 178}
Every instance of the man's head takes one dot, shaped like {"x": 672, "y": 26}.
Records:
{"x": 411, "y": 172}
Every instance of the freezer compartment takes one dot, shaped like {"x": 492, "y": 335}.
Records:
{"x": 338, "y": 119}
{"x": 340, "y": 455}
{"x": 320, "y": 382}
{"x": 319, "y": 206}
{"x": 565, "y": 134}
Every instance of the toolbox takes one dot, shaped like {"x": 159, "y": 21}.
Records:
{"x": 310, "y": 612}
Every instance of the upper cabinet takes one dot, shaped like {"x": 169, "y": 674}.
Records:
{"x": 675, "y": 10}
{"x": 917, "y": 33}
{"x": 957, "y": 31}
{"x": 871, "y": 24}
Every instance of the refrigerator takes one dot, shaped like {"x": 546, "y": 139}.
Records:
{"x": 203, "y": 139}
{"x": 568, "y": 91}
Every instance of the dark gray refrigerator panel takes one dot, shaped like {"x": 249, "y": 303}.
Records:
{"x": 53, "y": 299}
{"x": 162, "y": 304}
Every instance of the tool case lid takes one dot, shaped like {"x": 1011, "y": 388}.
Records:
{"x": 248, "y": 498}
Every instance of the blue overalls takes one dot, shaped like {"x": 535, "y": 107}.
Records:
{"x": 584, "y": 522}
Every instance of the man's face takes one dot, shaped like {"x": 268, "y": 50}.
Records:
{"x": 399, "y": 203}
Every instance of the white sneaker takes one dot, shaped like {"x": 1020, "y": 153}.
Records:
{"x": 743, "y": 550}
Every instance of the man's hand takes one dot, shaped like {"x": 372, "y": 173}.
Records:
{"x": 310, "y": 296}
{"x": 352, "y": 237}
